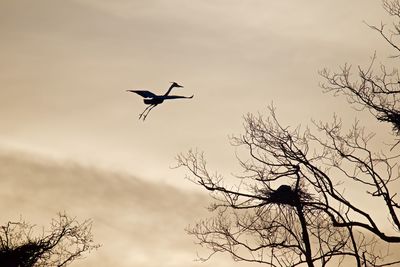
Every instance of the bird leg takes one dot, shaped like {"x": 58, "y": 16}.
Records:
{"x": 144, "y": 111}
{"x": 151, "y": 107}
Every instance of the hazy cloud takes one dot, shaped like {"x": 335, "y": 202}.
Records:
{"x": 138, "y": 223}
{"x": 66, "y": 65}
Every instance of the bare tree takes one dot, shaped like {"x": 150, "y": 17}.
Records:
{"x": 66, "y": 241}
{"x": 378, "y": 92}
{"x": 291, "y": 206}
{"x": 375, "y": 90}
{"x": 288, "y": 209}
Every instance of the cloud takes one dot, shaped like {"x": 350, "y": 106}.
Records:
{"x": 66, "y": 66}
{"x": 138, "y": 223}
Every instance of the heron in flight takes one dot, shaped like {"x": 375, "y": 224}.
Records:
{"x": 153, "y": 100}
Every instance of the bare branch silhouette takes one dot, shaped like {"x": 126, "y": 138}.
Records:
{"x": 66, "y": 241}
{"x": 293, "y": 205}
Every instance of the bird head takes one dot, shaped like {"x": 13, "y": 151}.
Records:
{"x": 174, "y": 84}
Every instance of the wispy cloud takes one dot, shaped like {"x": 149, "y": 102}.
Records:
{"x": 138, "y": 223}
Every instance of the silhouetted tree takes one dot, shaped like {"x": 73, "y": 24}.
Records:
{"x": 289, "y": 207}
{"x": 377, "y": 91}
{"x": 294, "y": 204}
{"x": 65, "y": 242}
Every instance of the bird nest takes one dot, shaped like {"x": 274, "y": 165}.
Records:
{"x": 285, "y": 195}
{"x": 394, "y": 118}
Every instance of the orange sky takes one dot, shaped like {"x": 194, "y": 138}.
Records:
{"x": 65, "y": 66}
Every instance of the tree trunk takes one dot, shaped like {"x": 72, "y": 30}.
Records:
{"x": 306, "y": 238}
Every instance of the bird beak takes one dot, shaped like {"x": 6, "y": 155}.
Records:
{"x": 176, "y": 84}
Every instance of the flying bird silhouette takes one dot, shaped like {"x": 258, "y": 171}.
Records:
{"x": 153, "y": 100}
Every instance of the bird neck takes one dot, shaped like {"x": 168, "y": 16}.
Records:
{"x": 169, "y": 90}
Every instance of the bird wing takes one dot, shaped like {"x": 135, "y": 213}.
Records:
{"x": 176, "y": 96}
{"x": 143, "y": 93}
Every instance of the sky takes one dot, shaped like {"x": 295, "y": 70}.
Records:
{"x": 66, "y": 65}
